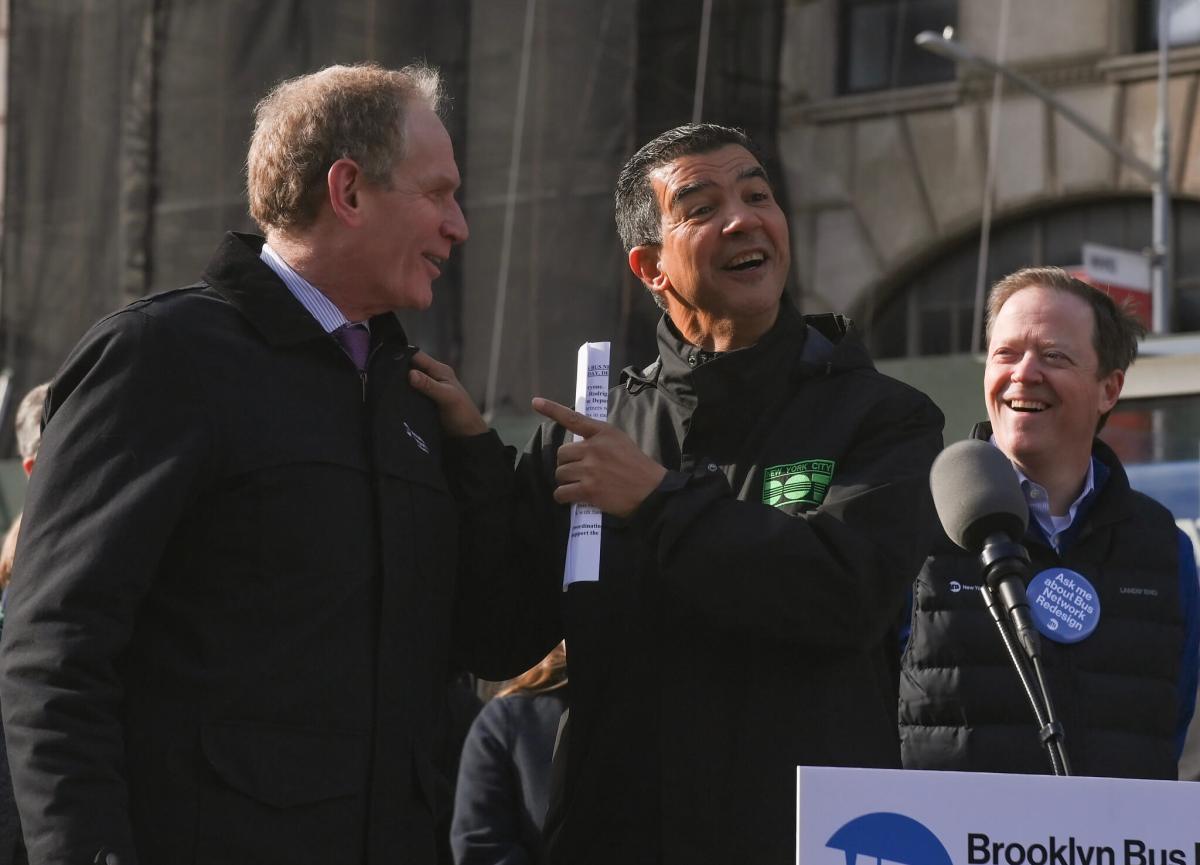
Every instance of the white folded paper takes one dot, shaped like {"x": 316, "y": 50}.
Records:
{"x": 591, "y": 399}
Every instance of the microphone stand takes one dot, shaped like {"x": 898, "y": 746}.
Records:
{"x": 1052, "y": 734}
{"x": 1021, "y": 665}
{"x": 1005, "y": 562}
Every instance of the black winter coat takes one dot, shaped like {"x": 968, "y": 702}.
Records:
{"x": 238, "y": 589}
{"x": 744, "y": 619}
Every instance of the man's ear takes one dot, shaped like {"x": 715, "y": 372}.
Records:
{"x": 1110, "y": 390}
{"x": 644, "y": 262}
{"x": 344, "y": 182}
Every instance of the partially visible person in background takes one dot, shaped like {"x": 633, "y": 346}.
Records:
{"x": 29, "y": 425}
{"x": 29, "y": 438}
{"x": 8, "y": 552}
{"x": 459, "y": 710}
{"x": 504, "y": 775}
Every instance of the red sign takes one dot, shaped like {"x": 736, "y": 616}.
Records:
{"x": 1135, "y": 300}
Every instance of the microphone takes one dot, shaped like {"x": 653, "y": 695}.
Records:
{"x": 982, "y": 509}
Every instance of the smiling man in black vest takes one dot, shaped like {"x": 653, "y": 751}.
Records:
{"x": 1115, "y": 578}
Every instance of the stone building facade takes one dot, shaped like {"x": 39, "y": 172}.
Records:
{"x": 887, "y": 185}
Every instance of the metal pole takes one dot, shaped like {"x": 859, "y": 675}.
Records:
{"x": 1162, "y": 281}
{"x": 989, "y": 190}
{"x": 702, "y": 61}
{"x": 951, "y": 50}
{"x": 510, "y": 214}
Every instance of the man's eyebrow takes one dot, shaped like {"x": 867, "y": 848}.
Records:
{"x": 755, "y": 171}
{"x": 689, "y": 189}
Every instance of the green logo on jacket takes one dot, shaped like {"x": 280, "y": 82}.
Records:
{"x": 801, "y": 483}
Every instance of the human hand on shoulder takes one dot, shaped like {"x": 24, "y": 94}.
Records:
{"x": 456, "y": 410}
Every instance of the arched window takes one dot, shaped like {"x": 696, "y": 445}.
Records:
{"x": 927, "y": 308}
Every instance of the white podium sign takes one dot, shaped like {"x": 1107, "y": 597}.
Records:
{"x": 869, "y": 816}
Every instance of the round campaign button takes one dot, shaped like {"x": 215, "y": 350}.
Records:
{"x": 1065, "y": 606}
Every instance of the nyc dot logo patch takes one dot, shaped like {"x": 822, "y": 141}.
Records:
{"x": 800, "y": 483}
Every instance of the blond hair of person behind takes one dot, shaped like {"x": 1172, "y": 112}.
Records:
{"x": 548, "y": 674}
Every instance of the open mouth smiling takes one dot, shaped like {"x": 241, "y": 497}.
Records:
{"x": 436, "y": 261}
{"x": 1031, "y": 406}
{"x": 747, "y": 261}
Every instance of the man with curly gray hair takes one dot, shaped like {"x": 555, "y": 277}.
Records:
{"x": 241, "y": 586}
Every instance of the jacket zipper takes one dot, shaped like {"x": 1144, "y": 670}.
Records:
{"x": 362, "y": 373}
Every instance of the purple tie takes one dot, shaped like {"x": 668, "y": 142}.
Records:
{"x": 355, "y": 340}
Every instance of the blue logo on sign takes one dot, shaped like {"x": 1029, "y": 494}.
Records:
{"x": 894, "y": 837}
{"x": 1065, "y": 606}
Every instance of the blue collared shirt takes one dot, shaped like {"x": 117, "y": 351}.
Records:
{"x": 318, "y": 305}
{"x": 1054, "y": 528}
{"x": 1057, "y": 530}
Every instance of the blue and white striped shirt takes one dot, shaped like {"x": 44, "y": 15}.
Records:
{"x": 318, "y": 305}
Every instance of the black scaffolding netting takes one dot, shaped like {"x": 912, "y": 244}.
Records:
{"x": 128, "y": 122}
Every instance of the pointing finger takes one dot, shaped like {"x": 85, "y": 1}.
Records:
{"x": 571, "y": 420}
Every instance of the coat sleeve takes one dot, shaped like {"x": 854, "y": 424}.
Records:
{"x": 118, "y": 465}
{"x": 831, "y": 578}
{"x": 486, "y": 828}
{"x": 1189, "y": 666}
{"x": 507, "y": 613}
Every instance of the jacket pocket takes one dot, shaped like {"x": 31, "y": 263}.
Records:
{"x": 281, "y": 795}
{"x": 286, "y": 766}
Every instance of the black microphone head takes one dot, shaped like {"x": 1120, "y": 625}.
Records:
{"x": 976, "y": 494}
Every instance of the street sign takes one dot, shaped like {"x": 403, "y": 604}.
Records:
{"x": 1115, "y": 266}
{"x": 1122, "y": 274}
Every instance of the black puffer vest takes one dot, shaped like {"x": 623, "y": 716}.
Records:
{"x": 961, "y": 703}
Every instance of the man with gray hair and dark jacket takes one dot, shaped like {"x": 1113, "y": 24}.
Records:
{"x": 242, "y": 577}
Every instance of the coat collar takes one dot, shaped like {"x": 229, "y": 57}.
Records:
{"x": 798, "y": 346}
{"x": 1110, "y": 501}
{"x": 238, "y": 274}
